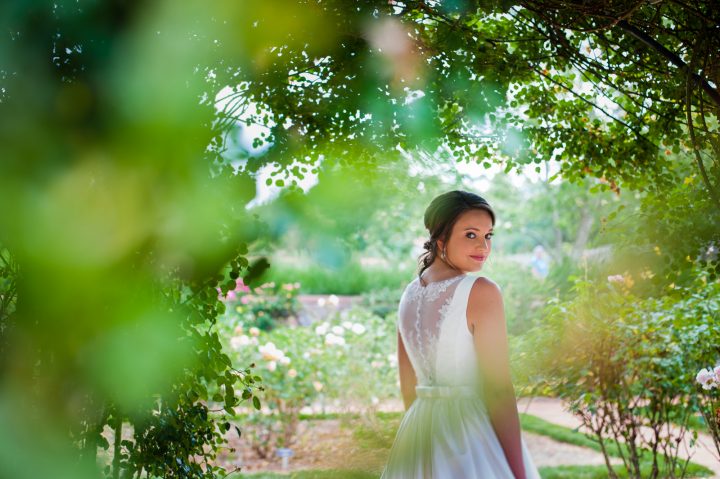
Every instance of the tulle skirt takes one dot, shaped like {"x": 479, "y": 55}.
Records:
{"x": 449, "y": 436}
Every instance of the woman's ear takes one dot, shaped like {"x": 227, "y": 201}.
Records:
{"x": 440, "y": 245}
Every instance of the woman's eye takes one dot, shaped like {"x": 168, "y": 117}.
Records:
{"x": 488, "y": 236}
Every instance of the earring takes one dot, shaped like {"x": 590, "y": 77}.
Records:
{"x": 444, "y": 256}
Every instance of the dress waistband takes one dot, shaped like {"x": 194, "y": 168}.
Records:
{"x": 446, "y": 391}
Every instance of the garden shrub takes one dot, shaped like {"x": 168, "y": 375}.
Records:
{"x": 347, "y": 359}
{"x": 626, "y": 366}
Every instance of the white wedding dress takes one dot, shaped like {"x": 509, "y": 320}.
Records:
{"x": 446, "y": 432}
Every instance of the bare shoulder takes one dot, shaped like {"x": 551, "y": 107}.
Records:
{"x": 485, "y": 289}
{"x": 484, "y": 302}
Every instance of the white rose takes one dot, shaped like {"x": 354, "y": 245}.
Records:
{"x": 292, "y": 373}
{"x": 338, "y": 330}
{"x": 321, "y": 302}
{"x": 322, "y": 329}
{"x": 272, "y": 366}
{"x": 254, "y": 331}
{"x": 238, "y": 341}
{"x": 347, "y": 324}
{"x": 318, "y": 385}
{"x": 334, "y": 300}
{"x": 332, "y": 339}
{"x": 706, "y": 378}
{"x": 270, "y": 352}
{"x": 358, "y": 328}
{"x": 375, "y": 401}
{"x": 284, "y": 360}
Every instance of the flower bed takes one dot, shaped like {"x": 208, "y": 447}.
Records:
{"x": 348, "y": 357}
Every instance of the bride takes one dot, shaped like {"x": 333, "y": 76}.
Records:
{"x": 461, "y": 418}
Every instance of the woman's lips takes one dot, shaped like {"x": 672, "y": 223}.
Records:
{"x": 478, "y": 258}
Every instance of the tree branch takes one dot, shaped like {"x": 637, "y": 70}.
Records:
{"x": 585, "y": 100}
{"x": 676, "y": 60}
{"x": 696, "y": 146}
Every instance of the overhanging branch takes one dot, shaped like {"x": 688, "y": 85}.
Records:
{"x": 676, "y": 60}
{"x": 696, "y": 146}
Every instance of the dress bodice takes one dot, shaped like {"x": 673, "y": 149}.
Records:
{"x": 433, "y": 327}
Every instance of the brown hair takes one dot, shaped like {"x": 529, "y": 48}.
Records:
{"x": 440, "y": 217}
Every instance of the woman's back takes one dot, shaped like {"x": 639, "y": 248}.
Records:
{"x": 433, "y": 326}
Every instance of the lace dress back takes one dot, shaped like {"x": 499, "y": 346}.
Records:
{"x": 422, "y": 311}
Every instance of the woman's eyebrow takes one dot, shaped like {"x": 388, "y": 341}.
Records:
{"x": 472, "y": 228}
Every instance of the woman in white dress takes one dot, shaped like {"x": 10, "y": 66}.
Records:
{"x": 461, "y": 418}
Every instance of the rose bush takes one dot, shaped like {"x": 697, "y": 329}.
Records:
{"x": 626, "y": 366}
{"x": 346, "y": 361}
{"x": 708, "y": 381}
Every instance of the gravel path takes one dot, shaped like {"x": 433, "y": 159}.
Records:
{"x": 553, "y": 410}
{"x": 548, "y": 452}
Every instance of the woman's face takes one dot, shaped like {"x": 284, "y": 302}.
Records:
{"x": 470, "y": 240}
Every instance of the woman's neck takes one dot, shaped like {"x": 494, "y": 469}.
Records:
{"x": 439, "y": 271}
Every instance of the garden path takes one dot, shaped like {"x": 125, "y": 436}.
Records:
{"x": 553, "y": 410}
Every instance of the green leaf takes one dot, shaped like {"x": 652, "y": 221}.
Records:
{"x": 230, "y": 398}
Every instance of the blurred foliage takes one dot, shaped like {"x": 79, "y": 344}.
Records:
{"x": 8, "y": 295}
{"x": 116, "y": 240}
{"x": 381, "y": 301}
{"x": 264, "y": 306}
{"x": 350, "y": 279}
